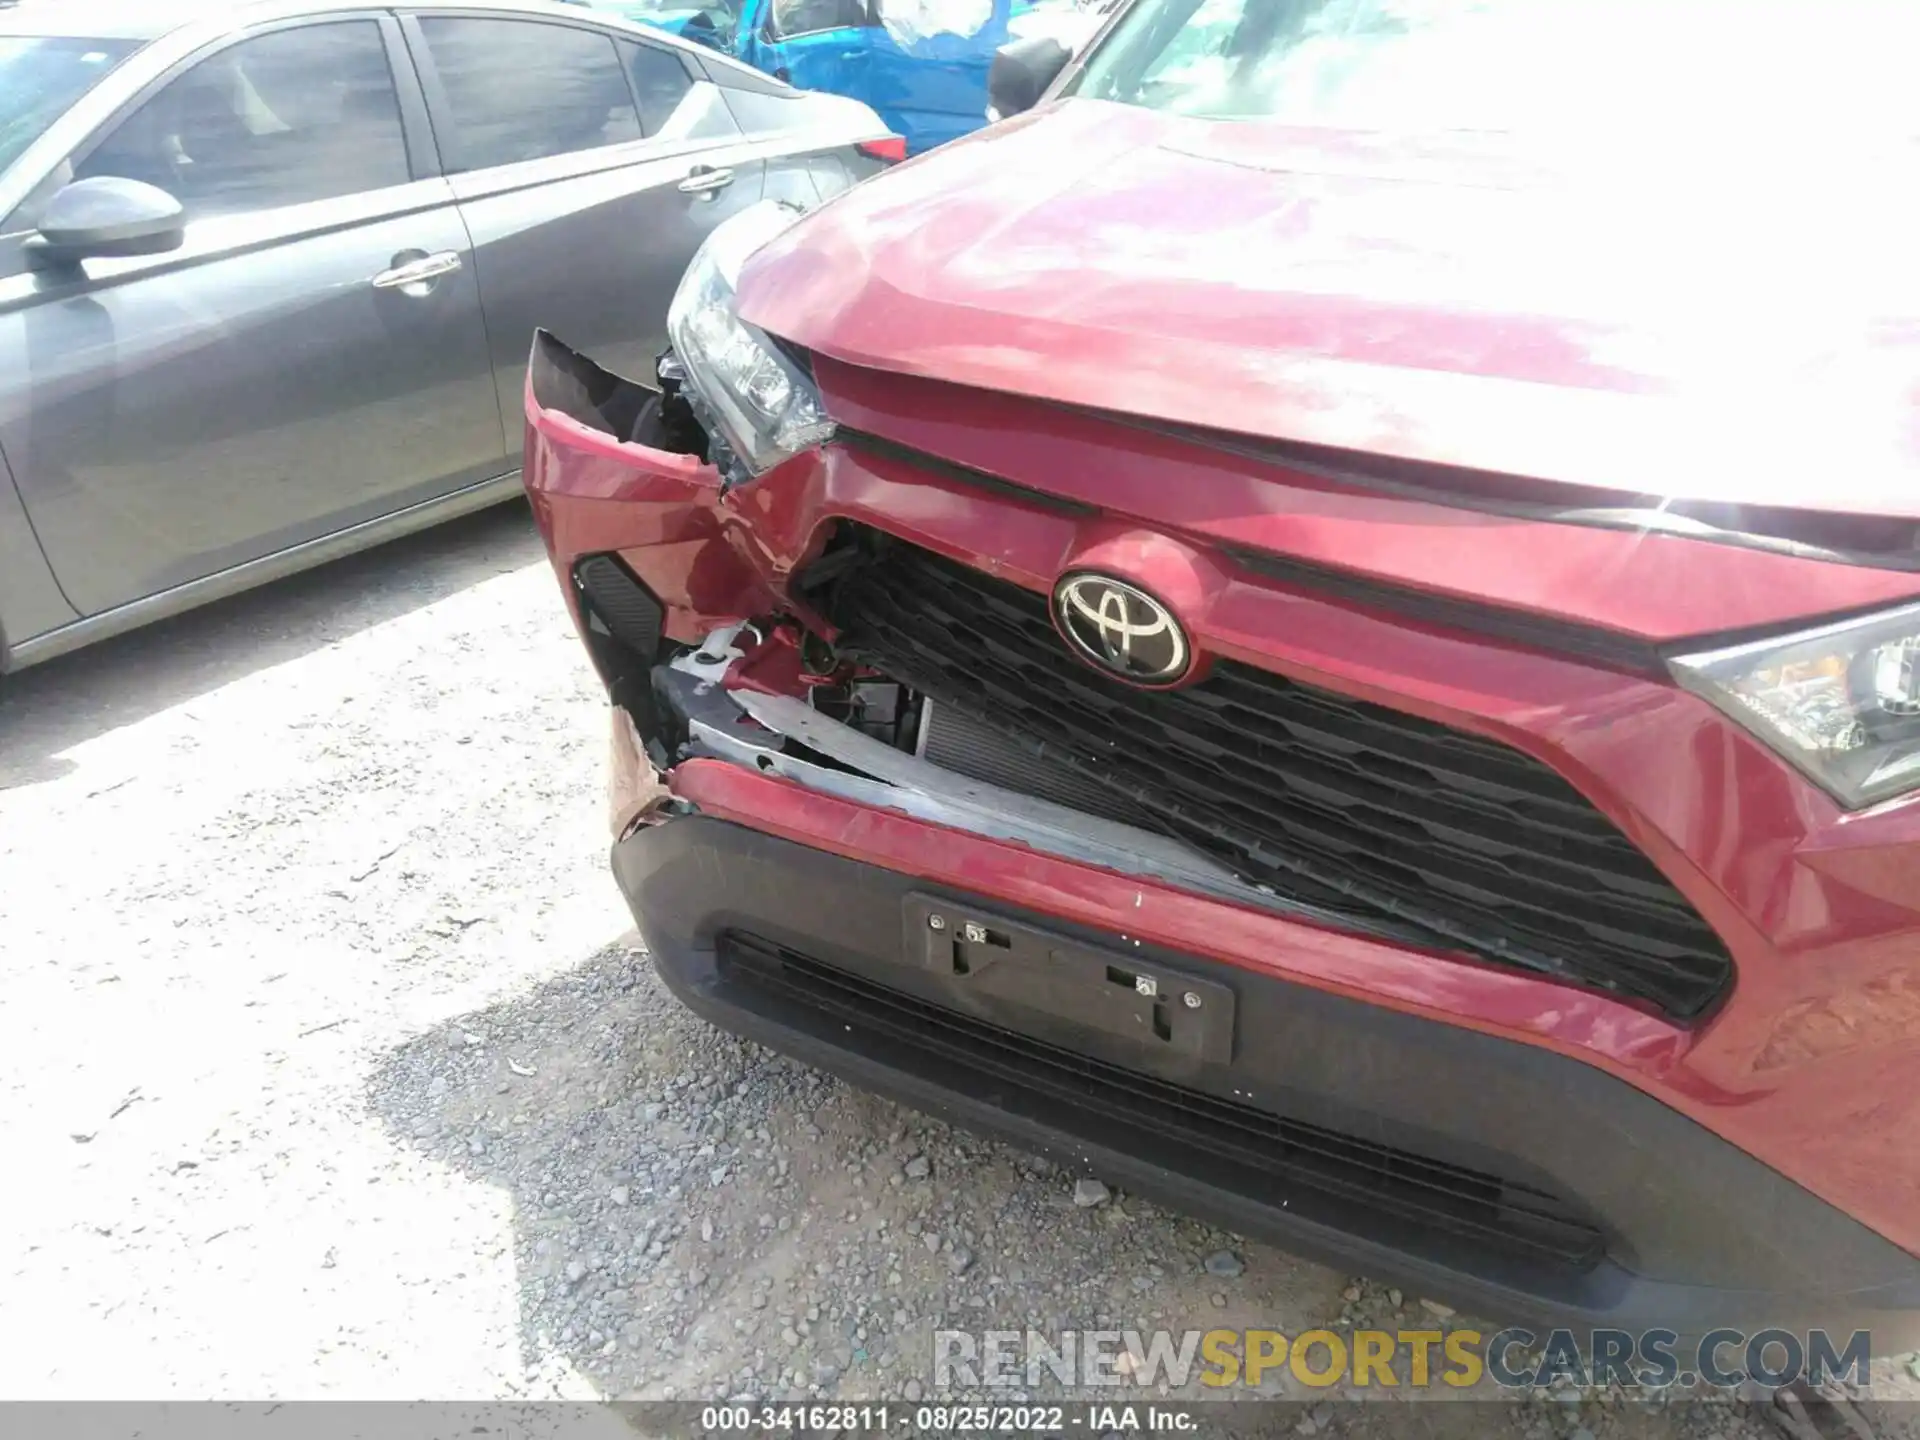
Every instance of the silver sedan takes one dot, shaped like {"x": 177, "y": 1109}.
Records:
{"x": 269, "y": 271}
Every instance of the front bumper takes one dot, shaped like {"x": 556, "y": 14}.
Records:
{"x": 1399, "y": 1128}
{"x": 1808, "y": 1075}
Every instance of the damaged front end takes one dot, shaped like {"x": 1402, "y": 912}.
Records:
{"x": 705, "y": 603}
{"x": 766, "y": 688}
{"x": 774, "y": 698}
{"x": 816, "y": 630}
{"x": 706, "y": 600}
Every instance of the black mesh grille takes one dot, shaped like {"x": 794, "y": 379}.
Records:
{"x": 1258, "y": 1151}
{"x": 1339, "y": 804}
{"x": 624, "y": 606}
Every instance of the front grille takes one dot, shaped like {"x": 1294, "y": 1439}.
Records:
{"x": 1378, "y": 816}
{"x": 1268, "y": 1156}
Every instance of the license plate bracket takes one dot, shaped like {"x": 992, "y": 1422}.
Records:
{"x": 998, "y": 968}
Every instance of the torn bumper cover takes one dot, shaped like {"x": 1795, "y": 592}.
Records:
{"x": 1015, "y": 960}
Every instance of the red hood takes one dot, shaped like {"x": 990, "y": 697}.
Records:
{"x": 1685, "y": 329}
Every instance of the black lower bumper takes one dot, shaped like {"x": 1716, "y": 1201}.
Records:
{"x": 1522, "y": 1185}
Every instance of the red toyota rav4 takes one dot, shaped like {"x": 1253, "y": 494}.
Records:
{"x": 1324, "y": 625}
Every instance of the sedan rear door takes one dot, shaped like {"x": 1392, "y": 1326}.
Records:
{"x": 589, "y": 164}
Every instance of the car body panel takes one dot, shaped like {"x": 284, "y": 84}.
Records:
{"x": 836, "y": 60}
{"x": 928, "y": 90}
{"x": 1698, "y": 1237}
{"x": 1653, "y": 587}
{"x": 337, "y": 401}
{"x": 1460, "y": 306}
{"x": 30, "y": 598}
{"x": 1781, "y": 874}
{"x": 205, "y": 589}
{"x": 562, "y": 253}
{"x": 1407, "y": 451}
{"x": 554, "y": 240}
{"x": 185, "y": 425}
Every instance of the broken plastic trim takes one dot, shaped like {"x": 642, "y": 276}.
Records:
{"x": 753, "y": 730}
{"x": 566, "y": 382}
{"x": 675, "y": 391}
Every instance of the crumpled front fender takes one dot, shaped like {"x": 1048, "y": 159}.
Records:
{"x": 597, "y": 490}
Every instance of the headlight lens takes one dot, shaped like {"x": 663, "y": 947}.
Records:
{"x": 1842, "y": 702}
{"x": 764, "y": 409}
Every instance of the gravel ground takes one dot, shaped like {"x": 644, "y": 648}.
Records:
{"x": 331, "y": 1066}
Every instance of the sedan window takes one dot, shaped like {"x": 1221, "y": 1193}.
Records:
{"x": 659, "y": 80}
{"x": 41, "y": 77}
{"x": 286, "y": 118}
{"x": 804, "y": 17}
{"x": 521, "y": 90}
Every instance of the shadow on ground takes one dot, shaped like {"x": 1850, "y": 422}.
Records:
{"x": 67, "y": 701}
{"x": 696, "y": 1218}
{"x": 670, "y": 1187}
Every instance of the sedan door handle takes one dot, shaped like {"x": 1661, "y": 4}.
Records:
{"x": 705, "y": 180}
{"x": 414, "y": 276}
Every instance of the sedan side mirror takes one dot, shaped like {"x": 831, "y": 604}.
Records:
{"x": 109, "y": 218}
{"x": 1021, "y": 72}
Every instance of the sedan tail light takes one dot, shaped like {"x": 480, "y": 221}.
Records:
{"x": 892, "y": 150}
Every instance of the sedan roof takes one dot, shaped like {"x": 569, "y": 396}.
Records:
{"x": 142, "y": 20}
{"x": 100, "y": 19}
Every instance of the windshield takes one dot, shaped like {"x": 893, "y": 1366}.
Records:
{"x": 41, "y": 77}
{"x": 1597, "y": 66}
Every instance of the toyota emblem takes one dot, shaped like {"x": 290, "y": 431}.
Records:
{"x": 1120, "y": 628}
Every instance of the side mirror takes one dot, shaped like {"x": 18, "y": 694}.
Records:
{"x": 109, "y": 218}
{"x": 1021, "y": 73}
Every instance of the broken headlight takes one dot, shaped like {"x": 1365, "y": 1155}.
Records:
{"x": 763, "y": 407}
{"x": 1842, "y": 702}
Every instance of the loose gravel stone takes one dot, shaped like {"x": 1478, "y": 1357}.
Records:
{"x": 1089, "y": 1193}
{"x": 1225, "y": 1264}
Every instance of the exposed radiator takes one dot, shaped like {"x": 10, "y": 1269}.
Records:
{"x": 954, "y": 740}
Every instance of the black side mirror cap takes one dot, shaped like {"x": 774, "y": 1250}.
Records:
{"x": 1021, "y": 72}
{"x": 106, "y": 217}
